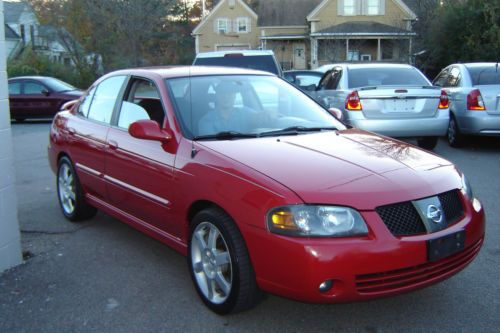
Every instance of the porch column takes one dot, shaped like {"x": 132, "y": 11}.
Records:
{"x": 379, "y": 50}
{"x": 314, "y": 53}
{"x": 347, "y": 49}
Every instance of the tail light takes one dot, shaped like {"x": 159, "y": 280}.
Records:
{"x": 353, "y": 102}
{"x": 444, "y": 101}
{"x": 475, "y": 101}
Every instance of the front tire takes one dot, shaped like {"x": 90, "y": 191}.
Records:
{"x": 428, "y": 143}
{"x": 219, "y": 263}
{"x": 70, "y": 193}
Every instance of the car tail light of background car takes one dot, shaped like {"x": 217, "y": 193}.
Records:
{"x": 444, "y": 101}
{"x": 352, "y": 102}
{"x": 475, "y": 101}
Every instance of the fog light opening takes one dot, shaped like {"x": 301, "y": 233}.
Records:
{"x": 325, "y": 286}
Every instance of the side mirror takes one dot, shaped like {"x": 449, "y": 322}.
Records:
{"x": 45, "y": 92}
{"x": 69, "y": 105}
{"x": 148, "y": 130}
{"x": 336, "y": 113}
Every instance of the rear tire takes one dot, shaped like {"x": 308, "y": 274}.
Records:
{"x": 70, "y": 193}
{"x": 428, "y": 143}
{"x": 455, "y": 137}
{"x": 219, "y": 263}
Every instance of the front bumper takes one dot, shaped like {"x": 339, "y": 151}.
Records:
{"x": 401, "y": 128}
{"x": 479, "y": 123}
{"x": 360, "y": 268}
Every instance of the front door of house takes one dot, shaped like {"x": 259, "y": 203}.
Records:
{"x": 299, "y": 56}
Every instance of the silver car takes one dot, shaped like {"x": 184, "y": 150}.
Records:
{"x": 474, "y": 91}
{"x": 391, "y": 99}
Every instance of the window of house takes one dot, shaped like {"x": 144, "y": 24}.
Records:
{"x": 353, "y": 55}
{"x": 222, "y": 26}
{"x": 349, "y": 7}
{"x": 373, "y": 7}
{"x": 105, "y": 97}
{"x": 242, "y": 24}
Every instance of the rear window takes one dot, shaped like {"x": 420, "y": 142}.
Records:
{"x": 484, "y": 75}
{"x": 367, "y": 77}
{"x": 263, "y": 63}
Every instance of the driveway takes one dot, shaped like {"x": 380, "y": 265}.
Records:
{"x": 103, "y": 276}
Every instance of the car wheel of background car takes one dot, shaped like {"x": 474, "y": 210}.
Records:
{"x": 219, "y": 263}
{"x": 428, "y": 143}
{"x": 70, "y": 193}
{"x": 455, "y": 138}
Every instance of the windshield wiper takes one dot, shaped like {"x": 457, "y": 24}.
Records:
{"x": 295, "y": 130}
{"x": 226, "y": 135}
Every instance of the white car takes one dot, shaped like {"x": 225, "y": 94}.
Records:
{"x": 474, "y": 91}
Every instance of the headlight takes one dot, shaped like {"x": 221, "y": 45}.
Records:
{"x": 314, "y": 221}
{"x": 466, "y": 188}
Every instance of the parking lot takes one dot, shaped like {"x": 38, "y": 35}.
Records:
{"x": 104, "y": 276}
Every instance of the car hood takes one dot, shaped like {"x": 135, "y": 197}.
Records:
{"x": 352, "y": 167}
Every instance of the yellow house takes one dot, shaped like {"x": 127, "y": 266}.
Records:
{"x": 309, "y": 33}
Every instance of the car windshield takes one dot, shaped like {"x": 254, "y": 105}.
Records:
{"x": 58, "y": 85}
{"x": 484, "y": 75}
{"x": 242, "y": 106}
{"x": 385, "y": 76}
{"x": 263, "y": 62}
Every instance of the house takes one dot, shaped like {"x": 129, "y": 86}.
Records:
{"x": 22, "y": 30}
{"x": 21, "y": 26}
{"x": 310, "y": 33}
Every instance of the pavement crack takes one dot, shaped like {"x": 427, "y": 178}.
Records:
{"x": 44, "y": 232}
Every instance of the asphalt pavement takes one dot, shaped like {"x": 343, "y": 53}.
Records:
{"x": 103, "y": 276}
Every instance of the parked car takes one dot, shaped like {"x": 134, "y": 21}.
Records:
{"x": 38, "y": 96}
{"x": 276, "y": 197}
{"x": 390, "y": 99}
{"x": 307, "y": 81}
{"x": 474, "y": 91}
{"x": 251, "y": 59}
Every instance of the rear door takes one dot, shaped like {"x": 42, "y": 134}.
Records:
{"x": 87, "y": 133}
{"x": 15, "y": 98}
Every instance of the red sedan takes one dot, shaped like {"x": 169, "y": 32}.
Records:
{"x": 262, "y": 188}
{"x": 35, "y": 97}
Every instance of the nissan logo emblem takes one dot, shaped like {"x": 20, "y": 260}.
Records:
{"x": 434, "y": 213}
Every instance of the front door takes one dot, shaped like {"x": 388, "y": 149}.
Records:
{"x": 299, "y": 56}
{"x": 139, "y": 173}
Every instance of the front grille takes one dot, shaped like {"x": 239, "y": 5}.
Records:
{"x": 452, "y": 206}
{"x": 409, "y": 277}
{"x": 402, "y": 219}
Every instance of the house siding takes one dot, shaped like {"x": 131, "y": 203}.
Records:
{"x": 209, "y": 40}
{"x": 328, "y": 16}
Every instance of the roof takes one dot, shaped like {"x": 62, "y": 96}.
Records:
{"x": 284, "y": 12}
{"x": 13, "y": 10}
{"x": 10, "y": 33}
{"x": 59, "y": 34}
{"x": 187, "y": 71}
{"x": 217, "y": 54}
{"x": 362, "y": 28}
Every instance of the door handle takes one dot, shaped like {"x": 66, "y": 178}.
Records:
{"x": 113, "y": 144}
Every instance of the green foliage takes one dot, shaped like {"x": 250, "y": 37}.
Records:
{"x": 30, "y": 63}
{"x": 463, "y": 31}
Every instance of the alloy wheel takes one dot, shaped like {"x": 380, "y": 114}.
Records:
{"x": 211, "y": 263}
{"x": 66, "y": 187}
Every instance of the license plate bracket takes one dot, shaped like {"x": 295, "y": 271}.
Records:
{"x": 445, "y": 246}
